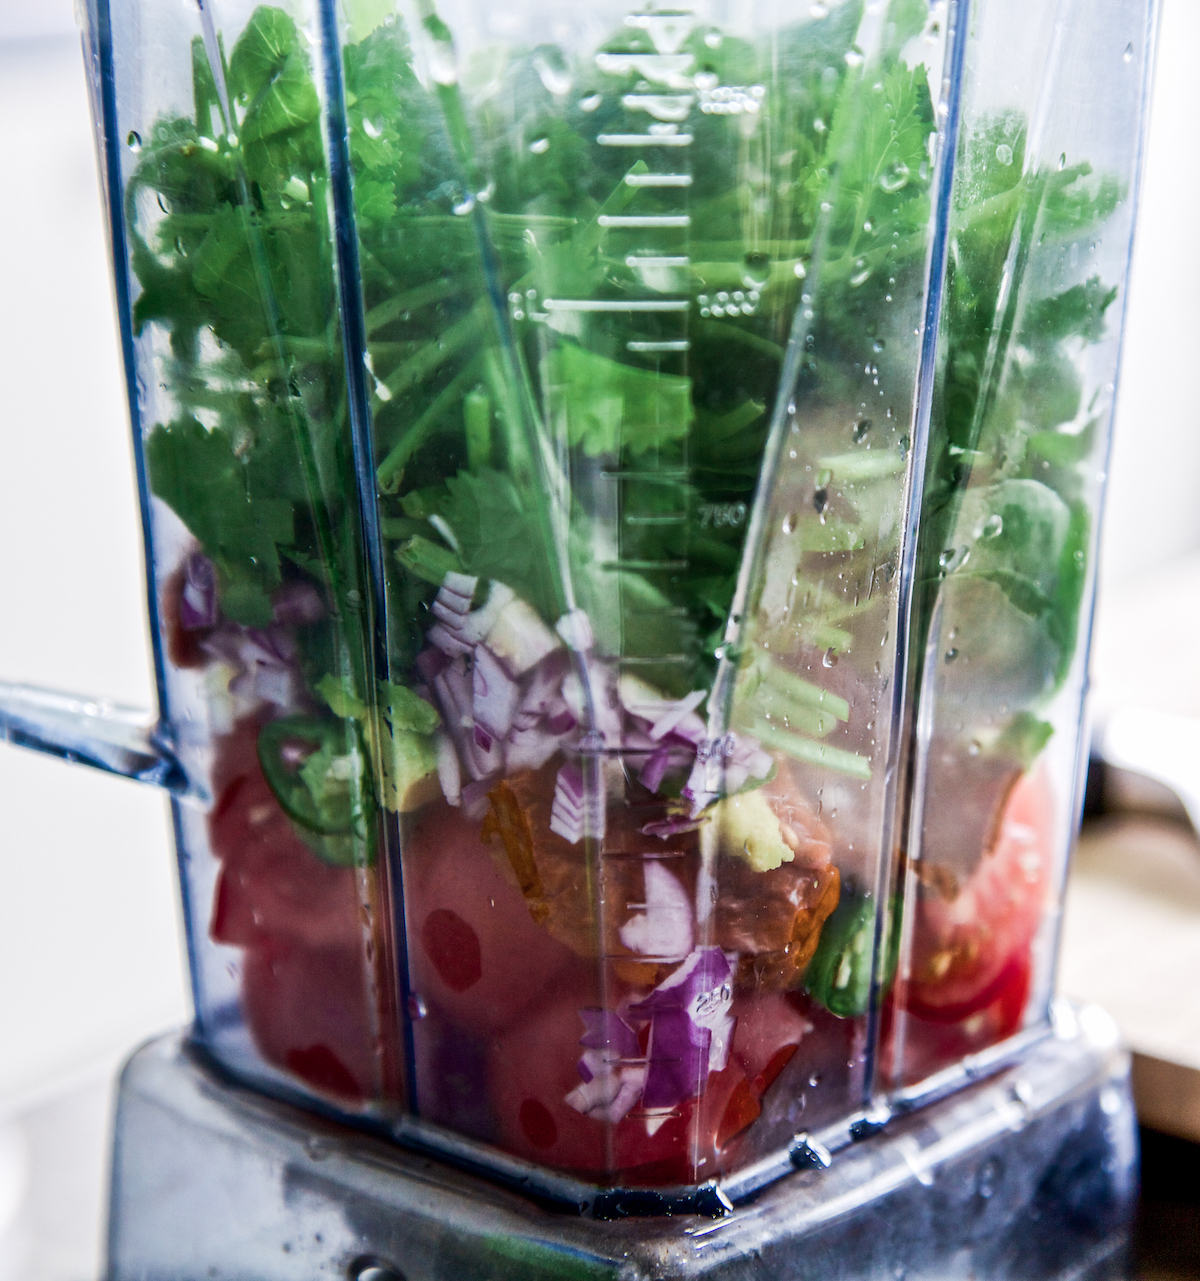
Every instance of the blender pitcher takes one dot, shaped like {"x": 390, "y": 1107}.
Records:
{"x": 620, "y": 488}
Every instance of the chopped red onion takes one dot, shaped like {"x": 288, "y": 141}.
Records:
{"x": 607, "y": 1030}
{"x": 654, "y": 769}
{"x": 494, "y": 694}
{"x": 460, "y": 585}
{"x": 297, "y": 604}
{"x": 674, "y": 713}
{"x": 430, "y": 661}
{"x": 478, "y": 624}
{"x": 529, "y": 749}
{"x": 690, "y": 1028}
{"x": 611, "y": 1067}
{"x": 664, "y": 929}
{"x": 449, "y": 775}
{"x": 563, "y": 723}
{"x": 672, "y": 826}
{"x": 198, "y": 601}
{"x": 475, "y": 797}
{"x": 447, "y": 641}
{"x": 573, "y": 813}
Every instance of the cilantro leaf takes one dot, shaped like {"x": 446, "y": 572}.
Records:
{"x": 196, "y": 472}
{"x": 604, "y": 406}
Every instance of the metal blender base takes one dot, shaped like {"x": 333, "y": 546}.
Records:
{"x": 1027, "y": 1175}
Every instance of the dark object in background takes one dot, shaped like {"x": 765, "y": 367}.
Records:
{"x": 1168, "y": 1231}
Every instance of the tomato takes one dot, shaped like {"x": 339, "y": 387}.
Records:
{"x": 308, "y": 1010}
{"x": 304, "y": 982}
{"x": 476, "y": 957}
{"x": 533, "y": 1067}
{"x": 971, "y": 960}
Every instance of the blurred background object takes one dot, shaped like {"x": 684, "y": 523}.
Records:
{"x": 90, "y": 953}
{"x": 91, "y": 958}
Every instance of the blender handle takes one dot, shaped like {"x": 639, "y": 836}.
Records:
{"x": 108, "y": 736}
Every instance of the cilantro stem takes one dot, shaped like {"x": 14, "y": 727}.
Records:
{"x": 435, "y": 354}
{"x": 411, "y": 300}
{"x": 388, "y": 471}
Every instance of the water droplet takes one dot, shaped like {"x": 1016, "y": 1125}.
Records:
{"x": 950, "y": 655}
{"x": 1004, "y": 153}
{"x": 814, "y": 1080}
{"x": 464, "y": 206}
{"x": 1128, "y": 54}
{"x": 443, "y": 65}
{"x": 829, "y": 658}
{"x": 713, "y": 39}
{"x": 706, "y": 79}
{"x": 540, "y": 146}
{"x": 951, "y": 559}
{"x": 1062, "y": 161}
{"x": 163, "y": 203}
{"x": 973, "y": 747}
{"x": 417, "y": 1008}
{"x": 993, "y": 527}
{"x": 895, "y": 177}
{"x": 853, "y": 58}
{"x": 877, "y": 346}
{"x": 789, "y": 523}
{"x": 820, "y": 499}
{"x": 860, "y": 430}
{"x": 819, "y": 10}
{"x": 553, "y": 71}
{"x": 799, "y": 272}
{"x": 134, "y": 140}
{"x": 591, "y": 102}
{"x": 861, "y": 275}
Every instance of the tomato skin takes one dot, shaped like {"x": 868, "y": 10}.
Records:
{"x": 304, "y": 990}
{"x": 308, "y": 1010}
{"x": 963, "y": 948}
{"x": 971, "y": 962}
{"x": 476, "y": 957}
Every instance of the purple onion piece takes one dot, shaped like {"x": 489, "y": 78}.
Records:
{"x": 665, "y": 827}
{"x": 606, "y": 1030}
{"x": 198, "y": 601}
{"x": 654, "y": 769}
{"x": 586, "y": 1075}
{"x": 297, "y": 605}
{"x": 690, "y": 1027}
{"x": 494, "y": 694}
{"x": 430, "y": 662}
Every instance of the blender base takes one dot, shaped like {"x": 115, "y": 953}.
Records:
{"x": 1027, "y": 1175}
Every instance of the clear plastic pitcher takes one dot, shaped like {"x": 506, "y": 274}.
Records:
{"x": 621, "y": 488}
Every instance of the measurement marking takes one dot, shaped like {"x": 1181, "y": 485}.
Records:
{"x": 589, "y": 304}
{"x": 645, "y": 139}
{"x": 645, "y": 220}
{"x": 657, "y": 520}
{"x": 682, "y": 345}
{"x": 632, "y": 660}
{"x": 648, "y": 260}
{"x": 667, "y": 611}
{"x": 658, "y": 179}
{"x": 621, "y": 566}
{"x": 655, "y": 477}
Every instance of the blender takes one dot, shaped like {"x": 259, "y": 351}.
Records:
{"x": 621, "y": 490}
